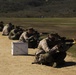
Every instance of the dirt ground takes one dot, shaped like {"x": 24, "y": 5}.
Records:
{"x": 21, "y": 65}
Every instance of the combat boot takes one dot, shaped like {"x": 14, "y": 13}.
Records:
{"x": 54, "y": 65}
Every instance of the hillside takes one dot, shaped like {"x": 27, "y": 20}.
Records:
{"x": 37, "y": 8}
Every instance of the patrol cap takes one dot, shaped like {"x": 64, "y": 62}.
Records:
{"x": 51, "y": 35}
{"x": 1, "y": 22}
{"x": 31, "y": 28}
{"x": 17, "y": 26}
{"x": 10, "y": 23}
{"x": 54, "y": 35}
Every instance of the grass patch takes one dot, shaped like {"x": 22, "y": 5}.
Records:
{"x": 72, "y": 50}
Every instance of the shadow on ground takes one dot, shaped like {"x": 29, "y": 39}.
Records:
{"x": 24, "y": 55}
{"x": 70, "y": 63}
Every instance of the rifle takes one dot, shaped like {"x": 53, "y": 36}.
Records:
{"x": 67, "y": 41}
{"x": 64, "y": 44}
{"x": 60, "y": 39}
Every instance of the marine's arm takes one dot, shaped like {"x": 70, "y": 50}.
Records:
{"x": 12, "y": 34}
{"x": 44, "y": 46}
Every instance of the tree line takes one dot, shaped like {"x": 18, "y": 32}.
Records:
{"x": 38, "y": 8}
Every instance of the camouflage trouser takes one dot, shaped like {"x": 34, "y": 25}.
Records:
{"x": 44, "y": 59}
{"x": 59, "y": 57}
{"x": 49, "y": 59}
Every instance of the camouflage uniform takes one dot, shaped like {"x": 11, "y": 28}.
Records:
{"x": 10, "y": 27}
{"x": 15, "y": 34}
{"x": 30, "y": 38}
{"x": 45, "y": 50}
{"x": 53, "y": 50}
{"x": 48, "y": 52}
{"x": 25, "y": 36}
{"x": 7, "y": 28}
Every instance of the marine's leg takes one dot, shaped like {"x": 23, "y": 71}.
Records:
{"x": 59, "y": 58}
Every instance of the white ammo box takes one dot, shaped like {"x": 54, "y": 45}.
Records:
{"x": 19, "y": 48}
